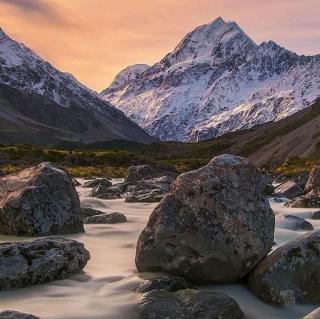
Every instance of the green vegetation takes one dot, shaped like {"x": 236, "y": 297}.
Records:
{"x": 295, "y": 165}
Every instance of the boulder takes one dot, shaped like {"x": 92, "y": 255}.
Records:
{"x": 113, "y": 218}
{"x": 316, "y": 215}
{"x": 289, "y": 189}
{"x": 189, "y": 304}
{"x": 97, "y": 182}
{"x": 98, "y": 190}
{"x": 290, "y": 274}
{"x": 33, "y": 262}
{"x": 213, "y": 227}
{"x": 139, "y": 172}
{"x": 306, "y": 201}
{"x": 88, "y": 212}
{"x": 11, "y": 314}
{"x": 2, "y": 174}
{"x": 313, "y": 184}
{"x": 313, "y": 315}
{"x": 293, "y": 222}
{"x": 301, "y": 179}
{"x": 163, "y": 281}
{"x": 150, "y": 190}
{"x": 40, "y": 200}
{"x": 112, "y": 192}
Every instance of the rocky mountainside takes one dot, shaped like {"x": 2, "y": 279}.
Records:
{"x": 39, "y": 104}
{"x": 217, "y": 80}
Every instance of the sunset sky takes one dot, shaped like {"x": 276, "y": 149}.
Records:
{"x": 95, "y": 39}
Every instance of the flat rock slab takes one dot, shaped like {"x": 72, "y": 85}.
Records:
{"x": 189, "y": 304}
{"x": 113, "y": 218}
{"x": 33, "y": 262}
{"x": 290, "y": 274}
{"x": 10, "y": 314}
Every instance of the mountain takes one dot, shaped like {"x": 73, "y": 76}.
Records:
{"x": 217, "y": 80}
{"x": 41, "y": 105}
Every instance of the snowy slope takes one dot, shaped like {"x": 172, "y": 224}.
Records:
{"x": 215, "y": 81}
{"x": 86, "y": 116}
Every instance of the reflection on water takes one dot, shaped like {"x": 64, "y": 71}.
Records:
{"x": 105, "y": 289}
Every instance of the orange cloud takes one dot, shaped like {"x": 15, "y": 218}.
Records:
{"x": 95, "y": 39}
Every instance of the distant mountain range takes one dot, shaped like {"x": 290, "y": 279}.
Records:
{"x": 41, "y": 105}
{"x": 217, "y": 80}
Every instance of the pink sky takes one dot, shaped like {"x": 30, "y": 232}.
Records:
{"x": 95, "y": 39}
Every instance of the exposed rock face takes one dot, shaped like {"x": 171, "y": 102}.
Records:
{"x": 33, "y": 262}
{"x": 150, "y": 190}
{"x": 189, "y": 304}
{"x": 313, "y": 184}
{"x": 306, "y": 201}
{"x": 293, "y": 223}
{"x": 291, "y": 273}
{"x": 40, "y": 200}
{"x": 163, "y": 281}
{"x": 213, "y": 226}
{"x": 98, "y": 182}
{"x": 10, "y": 314}
{"x": 113, "y": 218}
{"x": 289, "y": 189}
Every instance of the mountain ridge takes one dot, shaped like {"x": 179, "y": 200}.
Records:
{"x": 217, "y": 80}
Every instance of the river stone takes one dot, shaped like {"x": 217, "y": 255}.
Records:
{"x": 213, "y": 227}
{"x": 316, "y": 215}
{"x": 33, "y": 262}
{"x": 11, "y": 314}
{"x": 40, "y": 200}
{"x": 97, "y": 182}
{"x": 313, "y": 184}
{"x": 306, "y": 201}
{"x": 163, "y": 281}
{"x": 313, "y": 315}
{"x": 293, "y": 222}
{"x": 289, "y": 189}
{"x": 113, "y": 218}
{"x": 98, "y": 190}
{"x": 87, "y": 212}
{"x": 136, "y": 173}
{"x": 189, "y": 304}
{"x": 290, "y": 274}
{"x": 112, "y": 192}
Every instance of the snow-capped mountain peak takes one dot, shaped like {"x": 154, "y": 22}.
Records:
{"x": 217, "y": 80}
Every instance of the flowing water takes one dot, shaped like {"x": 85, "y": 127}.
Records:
{"x": 105, "y": 289}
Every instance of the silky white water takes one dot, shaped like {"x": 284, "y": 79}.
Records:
{"x": 105, "y": 289}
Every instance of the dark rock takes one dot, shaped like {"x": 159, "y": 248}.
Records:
{"x": 213, "y": 226}
{"x": 189, "y": 304}
{"x": 289, "y": 189}
{"x": 290, "y": 274}
{"x": 150, "y": 190}
{"x": 112, "y": 192}
{"x": 278, "y": 200}
{"x": 301, "y": 179}
{"x": 316, "y": 215}
{"x": 33, "y": 262}
{"x": 294, "y": 223}
{"x": 88, "y": 212}
{"x": 313, "y": 184}
{"x": 139, "y": 172}
{"x": 306, "y": 201}
{"x": 113, "y": 218}
{"x": 97, "y": 182}
{"x": 75, "y": 182}
{"x": 281, "y": 178}
{"x": 40, "y": 200}
{"x": 163, "y": 281}
{"x": 2, "y": 174}
{"x": 11, "y": 314}
{"x": 269, "y": 190}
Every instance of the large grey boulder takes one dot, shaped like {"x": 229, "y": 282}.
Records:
{"x": 113, "y": 218}
{"x": 11, "y": 314}
{"x": 313, "y": 315}
{"x": 40, "y": 200}
{"x": 188, "y": 304}
{"x": 306, "y": 201}
{"x": 97, "y": 182}
{"x": 150, "y": 190}
{"x": 289, "y": 189}
{"x": 214, "y": 226}
{"x": 28, "y": 263}
{"x": 290, "y": 274}
{"x": 313, "y": 184}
